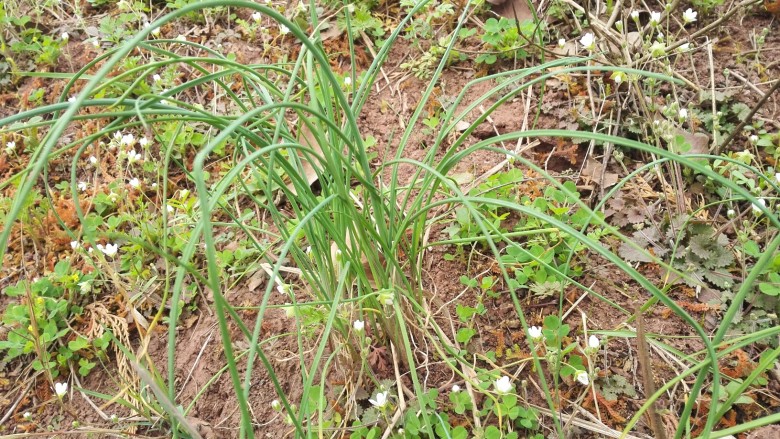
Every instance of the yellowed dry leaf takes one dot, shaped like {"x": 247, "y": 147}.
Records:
{"x": 512, "y": 9}
{"x": 306, "y": 138}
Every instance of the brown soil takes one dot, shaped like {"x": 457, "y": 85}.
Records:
{"x": 199, "y": 352}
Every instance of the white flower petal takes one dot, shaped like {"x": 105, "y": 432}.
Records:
{"x": 655, "y": 18}
{"x": 689, "y": 16}
{"x": 588, "y": 41}
{"x": 61, "y": 389}
{"x": 757, "y": 208}
{"x": 381, "y": 399}
{"x": 503, "y": 385}
{"x": 109, "y": 249}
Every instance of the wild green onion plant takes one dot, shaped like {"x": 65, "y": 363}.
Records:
{"x": 358, "y": 240}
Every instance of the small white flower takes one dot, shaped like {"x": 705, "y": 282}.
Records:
{"x": 118, "y": 136}
{"x": 561, "y": 43}
{"x": 753, "y": 138}
{"x": 61, "y": 389}
{"x": 381, "y": 400}
{"x": 582, "y": 377}
{"x": 184, "y": 193}
{"x": 135, "y": 183}
{"x": 127, "y": 139}
{"x": 96, "y": 43}
{"x": 114, "y": 418}
{"x": 82, "y": 186}
{"x": 72, "y": 99}
{"x": 689, "y": 16}
{"x": 593, "y": 342}
{"x": 634, "y": 15}
{"x": 535, "y": 332}
{"x": 348, "y": 81}
{"x": 684, "y": 47}
{"x": 308, "y": 250}
{"x": 284, "y": 30}
{"x": 27, "y": 416}
{"x": 181, "y": 38}
{"x": 170, "y": 208}
{"x": 156, "y": 31}
{"x": 109, "y": 249}
{"x": 93, "y": 160}
{"x": 85, "y": 287}
{"x": 276, "y": 405}
{"x": 74, "y": 245}
{"x": 156, "y": 78}
{"x": 655, "y": 18}
{"x": 588, "y": 41}
{"x": 682, "y": 114}
{"x": 503, "y": 385}
{"x": 147, "y": 24}
{"x": 133, "y": 156}
{"x": 455, "y": 388}
{"x": 281, "y": 289}
{"x": 777, "y": 177}
{"x": 730, "y": 213}
{"x": 10, "y": 147}
{"x": 65, "y": 36}
{"x": 757, "y": 208}
{"x": 619, "y": 26}
{"x": 257, "y": 16}
{"x": 359, "y": 325}
{"x": 143, "y": 141}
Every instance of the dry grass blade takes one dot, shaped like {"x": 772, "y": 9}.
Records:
{"x": 162, "y": 398}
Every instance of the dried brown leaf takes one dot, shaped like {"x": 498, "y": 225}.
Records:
{"x": 306, "y": 138}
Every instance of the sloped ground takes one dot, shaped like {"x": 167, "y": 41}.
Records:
{"x": 199, "y": 355}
